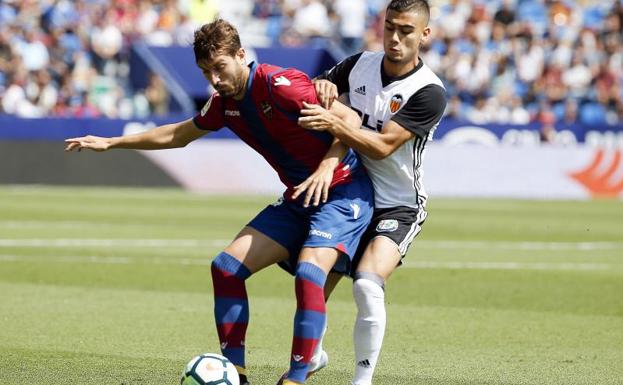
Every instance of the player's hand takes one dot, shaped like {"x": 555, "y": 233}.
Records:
{"x": 317, "y": 184}
{"x": 314, "y": 117}
{"x": 90, "y": 142}
{"x": 326, "y": 91}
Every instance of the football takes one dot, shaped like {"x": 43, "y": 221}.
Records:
{"x": 210, "y": 369}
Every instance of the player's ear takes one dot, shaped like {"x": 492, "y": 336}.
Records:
{"x": 241, "y": 56}
{"x": 425, "y": 35}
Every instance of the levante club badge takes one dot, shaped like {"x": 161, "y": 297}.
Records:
{"x": 395, "y": 103}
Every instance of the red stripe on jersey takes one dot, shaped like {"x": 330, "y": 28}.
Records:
{"x": 289, "y": 88}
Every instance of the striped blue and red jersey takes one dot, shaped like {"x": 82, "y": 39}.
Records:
{"x": 266, "y": 119}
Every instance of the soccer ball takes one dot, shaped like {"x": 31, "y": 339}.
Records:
{"x": 210, "y": 369}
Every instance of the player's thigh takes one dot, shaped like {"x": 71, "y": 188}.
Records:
{"x": 256, "y": 250}
{"x": 381, "y": 257}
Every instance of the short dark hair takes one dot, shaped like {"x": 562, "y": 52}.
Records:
{"x": 216, "y": 38}
{"x": 410, "y": 5}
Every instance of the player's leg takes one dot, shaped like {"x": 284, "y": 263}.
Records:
{"x": 390, "y": 233}
{"x": 310, "y": 317}
{"x": 378, "y": 262}
{"x": 334, "y": 232}
{"x": 267, "y": 239}
{"x": 250, "y": 252}
{"x": 320, "y": 358}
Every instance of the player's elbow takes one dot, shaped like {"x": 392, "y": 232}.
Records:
{"x": 381, "y": 152}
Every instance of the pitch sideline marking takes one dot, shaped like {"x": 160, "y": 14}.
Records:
{"x": 441, "y": 244}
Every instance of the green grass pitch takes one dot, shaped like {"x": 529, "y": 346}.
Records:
{"x": 112, "y": 286}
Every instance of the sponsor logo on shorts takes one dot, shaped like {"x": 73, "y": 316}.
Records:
{"x": 387, "y": 226}
{"x": 319, "y": 233}
{"x": 232, "y": 113}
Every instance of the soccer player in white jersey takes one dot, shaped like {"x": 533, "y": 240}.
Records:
{"x": 401, "y": 102}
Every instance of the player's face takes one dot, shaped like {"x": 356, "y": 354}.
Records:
{"x": 403, "y": 34}
{"x": 225, "y": 73}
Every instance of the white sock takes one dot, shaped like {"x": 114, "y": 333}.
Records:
{"x": 369, "y": 328}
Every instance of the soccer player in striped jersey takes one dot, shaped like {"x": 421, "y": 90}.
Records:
{"x": 401, "y": 102}
{"x": 261, "y": 104}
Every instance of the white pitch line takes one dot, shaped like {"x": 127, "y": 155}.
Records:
{"x": 106, "y": 260}
{"x": 96, "y": 242}
{"x": 440, "y": 244}
{"x": 521, "y": 245}
{"x": 511, "y": 266}
{"x": 410, "y": 265}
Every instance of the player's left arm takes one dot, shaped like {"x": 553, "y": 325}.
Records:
{"x": 317, "y": 185}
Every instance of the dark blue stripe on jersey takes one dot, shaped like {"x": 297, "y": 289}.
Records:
{"x": 295, "y": 171}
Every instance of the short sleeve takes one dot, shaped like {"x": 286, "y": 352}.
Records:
{"x": 210, "y": 118}
{"x": 339, "y": 74}
{"x": 290, "y": 88}
{"x": 423, "y": 110}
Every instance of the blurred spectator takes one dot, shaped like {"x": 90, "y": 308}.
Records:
{"x": 34, "y": 53}
{"x": 157, "y": 95}
{"x": 503, "y": 61}
{"x": 312, "y": 19}
{"x": 547, "y": 119}
{"x": 352, "y": 23}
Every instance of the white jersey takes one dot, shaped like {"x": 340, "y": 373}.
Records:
{"x": 415, "y": 101}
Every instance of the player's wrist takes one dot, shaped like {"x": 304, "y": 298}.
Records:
{"x": 331, "y": 162}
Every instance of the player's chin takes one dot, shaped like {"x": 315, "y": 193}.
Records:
{"x": 225, "y": 92}
{"x": 395, "y": 57}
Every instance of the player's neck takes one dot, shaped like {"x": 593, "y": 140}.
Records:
{"x": 245, "y": 81}
{"x": 398, "y": 69}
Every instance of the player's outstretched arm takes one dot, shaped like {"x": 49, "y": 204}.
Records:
{"x": 376, "y": 145}
{"x": 167, "y": 136}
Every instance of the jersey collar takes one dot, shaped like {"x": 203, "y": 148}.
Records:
{"x": 387, "y": 80}
{"x": 252, "y": 68}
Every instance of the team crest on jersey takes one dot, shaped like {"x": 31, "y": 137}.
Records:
{"x": 387, "y": 226}
{"x": 206, "y": 107}
{"x": 267, "y": 109}
{"x": 395, "y": 103}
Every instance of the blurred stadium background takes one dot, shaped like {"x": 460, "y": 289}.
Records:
{"x": 516, "y": 278}
{"x": 541, "y": 79}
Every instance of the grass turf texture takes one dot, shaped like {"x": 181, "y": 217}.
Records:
{"x": 112, "y": 286}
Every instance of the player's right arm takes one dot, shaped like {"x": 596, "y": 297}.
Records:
{"x": 167, "y": 136}
{"x": 334, "y": 82}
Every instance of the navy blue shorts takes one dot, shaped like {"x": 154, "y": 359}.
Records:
{"x": 339, "y": 223}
